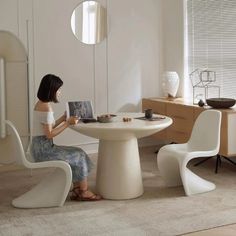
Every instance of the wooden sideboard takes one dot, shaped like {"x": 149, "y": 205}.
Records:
{"x": 184, "y": 114}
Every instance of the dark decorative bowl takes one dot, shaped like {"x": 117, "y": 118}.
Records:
{"x": 220, "y": 102}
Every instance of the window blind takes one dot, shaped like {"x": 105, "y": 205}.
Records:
{"x": 211, "y": 39}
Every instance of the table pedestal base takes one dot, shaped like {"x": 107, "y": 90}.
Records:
{"x": 118, "y": 170}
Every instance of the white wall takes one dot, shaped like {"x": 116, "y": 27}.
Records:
{"x": 173, "y": 39}
{"x": 133, "y": 53}
{"x": 116, "y": 73}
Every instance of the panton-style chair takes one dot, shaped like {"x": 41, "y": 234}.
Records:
{"x": 172, "y": 159}
{"x": 54, "y": 187}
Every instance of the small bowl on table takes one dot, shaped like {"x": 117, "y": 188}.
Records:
{"x": 106, "y": 118}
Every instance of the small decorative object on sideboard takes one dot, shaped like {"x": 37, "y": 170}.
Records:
{"x": 201, "y": 103}
{"x": 170, "y": 84}
{"x": 220, "y": 102}
{"x": 204, "y": 84}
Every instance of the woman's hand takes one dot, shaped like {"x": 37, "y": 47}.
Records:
{"x": 51, "y": 131}
{"x": 73, "y": 120}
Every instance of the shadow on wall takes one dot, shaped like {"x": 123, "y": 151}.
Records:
{"x": 129, "y": 107}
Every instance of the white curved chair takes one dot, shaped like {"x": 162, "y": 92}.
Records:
{"x": 52, "y": 190}
{"x": 204, "y": 142}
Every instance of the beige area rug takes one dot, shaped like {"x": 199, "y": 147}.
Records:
{"x": 160, "y": 211}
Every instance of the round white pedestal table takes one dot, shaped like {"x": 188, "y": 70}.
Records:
{"x": 118, "y": 168}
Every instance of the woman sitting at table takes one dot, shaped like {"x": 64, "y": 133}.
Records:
{"x": 45, "y": 128}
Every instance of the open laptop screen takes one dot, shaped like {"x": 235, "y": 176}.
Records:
{"x": 82, "y": 109}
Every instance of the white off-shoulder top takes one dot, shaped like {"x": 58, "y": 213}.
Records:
{"x": 40, "y": 118}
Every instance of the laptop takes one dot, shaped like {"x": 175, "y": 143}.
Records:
{"x": 82, "y": 109}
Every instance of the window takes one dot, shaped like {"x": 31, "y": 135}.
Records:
{"x": 211, "y": 41}
{"x": 89, "y": 21}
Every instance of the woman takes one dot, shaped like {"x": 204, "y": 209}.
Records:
{"x": 45, "y": 128}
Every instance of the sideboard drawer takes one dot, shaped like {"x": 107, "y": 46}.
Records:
{"x": 160, "y": 135}
{"x": 177, "y": 136}
{"x": 179, "y": 111}
{"x": 181, "y": 125}
{"x": 182, "y": 121}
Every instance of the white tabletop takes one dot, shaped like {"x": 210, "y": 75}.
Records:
{"x": 118, "y": 129}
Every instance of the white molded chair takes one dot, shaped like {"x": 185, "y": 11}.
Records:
{"x": 52, "y": 190}
{"x": 204, "y": 142}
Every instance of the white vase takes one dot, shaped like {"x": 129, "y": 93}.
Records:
{"x": 170, "y": 83}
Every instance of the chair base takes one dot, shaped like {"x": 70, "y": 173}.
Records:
{"x": 50, "y": 192}
{"x": 193, "y": 184}
{"x": 174, "y": 171}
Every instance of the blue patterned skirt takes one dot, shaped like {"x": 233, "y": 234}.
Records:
{"x": 43, "y": 149}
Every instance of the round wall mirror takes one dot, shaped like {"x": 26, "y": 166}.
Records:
{"x": 88, "y": 22}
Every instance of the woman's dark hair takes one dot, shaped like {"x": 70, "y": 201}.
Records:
{"x": 48, "y": 88}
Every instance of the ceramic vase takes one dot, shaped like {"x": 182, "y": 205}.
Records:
{"x": 170, "y": 83}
